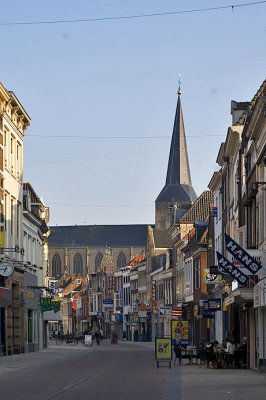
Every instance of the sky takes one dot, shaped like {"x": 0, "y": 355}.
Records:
{"x": 109, "y": 89}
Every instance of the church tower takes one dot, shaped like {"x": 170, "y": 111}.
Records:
{"x": 178, "y": 195}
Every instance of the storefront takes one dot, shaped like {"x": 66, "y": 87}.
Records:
{"x": 260, "y": 324}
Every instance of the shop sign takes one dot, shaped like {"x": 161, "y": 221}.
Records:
{"x": 213, "y": 305}
{"x": 229, "y": 300}
{"x": 153, "y": 290}
{"x": 240, "y": 254}
{"x": 30, "y": 295}
{"x": 165, "y": 310}
{"x": 47, "y": 304}
{"x": 108, "y": 303}
{"x": 210, "y": 278}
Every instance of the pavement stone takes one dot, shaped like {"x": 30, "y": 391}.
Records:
{"x": 194, "y": 382}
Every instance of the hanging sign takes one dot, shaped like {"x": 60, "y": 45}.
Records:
{"x": 238, "y": 252}
{"x": 226, "y": 267}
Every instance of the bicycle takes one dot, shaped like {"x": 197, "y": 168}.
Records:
{"x": 60, "y": 340}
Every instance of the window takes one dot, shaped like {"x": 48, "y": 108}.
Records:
{"x": 30, "y": 326}
{"x": 56, "y": 266}
{"x": 121, "y": 261}
{"x": 12, "y": 216}
{"x": 197, "y": 274}
{"x": 98, "y": 260}
{"x": 18, "y": 219}
{"x": 77, "y": 264}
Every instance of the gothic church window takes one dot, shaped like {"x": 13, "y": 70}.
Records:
{"x": 121, "y": 261}
{"x": 56, "y": 266}
{"x": 98, "y": 260}
{"x": 77, "y": 264}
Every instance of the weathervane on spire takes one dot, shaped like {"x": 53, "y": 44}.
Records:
{"x": 179, "y": 84}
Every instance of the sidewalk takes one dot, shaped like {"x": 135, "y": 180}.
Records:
{"x": 57, "y": 352}
{"x": 53, "y": 352}
{"x": 219, "y": 384}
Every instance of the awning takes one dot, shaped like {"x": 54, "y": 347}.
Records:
{"x": 52, "y": 316}
{"x": 239, "y": 296}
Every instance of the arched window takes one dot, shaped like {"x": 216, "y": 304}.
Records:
{"x": 121, "y": 261}
{"x": 98, "y": 260}
{"x": 56, "y": 266}
{"x": 77, "y": 264}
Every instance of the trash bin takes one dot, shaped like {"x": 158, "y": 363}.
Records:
{"x": 143, "y": 338}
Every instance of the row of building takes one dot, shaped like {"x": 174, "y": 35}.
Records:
{"x": 137, "y": 279}
{"x": 23, "y": 238}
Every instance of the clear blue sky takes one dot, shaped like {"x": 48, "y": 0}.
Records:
{"x": 119, "y": 78}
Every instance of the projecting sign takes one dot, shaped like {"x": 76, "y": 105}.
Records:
{"x": 240, "y": 254}
{"x": 226, "y": 267}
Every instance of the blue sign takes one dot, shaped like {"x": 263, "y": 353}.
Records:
{"x": 108, "y": 301}
{"x": 214, "y": 211}
{"x": 215, "y": 304}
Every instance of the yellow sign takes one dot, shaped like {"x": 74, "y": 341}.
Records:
{"x": 30, "y": 295}
{"x": 163, "y": 349}
{"x": 210, "y": 278}
{"x": 180, "y": 331}
{"x": 2, "y": 239}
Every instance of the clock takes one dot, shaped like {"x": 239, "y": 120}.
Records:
{"x": 6, "y": 268}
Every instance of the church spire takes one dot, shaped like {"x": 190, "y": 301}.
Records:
{"x": 178, "y": 165}
{"x": 178, "y": 190}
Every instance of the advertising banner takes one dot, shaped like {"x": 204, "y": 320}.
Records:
{"x": 163, "y": 348}
{"x": 242, "y": 255}
{"x": 179, "y": 330}
{"x": 226, "y": 267}
{"x": 88, "y": 341}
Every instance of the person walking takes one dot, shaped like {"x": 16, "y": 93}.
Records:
{"x": 97, "y": 338}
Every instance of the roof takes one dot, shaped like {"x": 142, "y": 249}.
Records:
{"x": 136, "y": 260}
{"x": 182, "y": 194}
{"x": 162, "y": 239}
{"x": 98, "y": 236}
{"x": 178, "y": 185}
{"x": 200, "y": 210}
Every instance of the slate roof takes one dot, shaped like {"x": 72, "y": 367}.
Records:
{"x": 178, "y": 185}
{"x": 182, "y": 194}
{"x": 98, "y": 236}
{"x": 200, "y": 210}
{"x": 162, "y": 239}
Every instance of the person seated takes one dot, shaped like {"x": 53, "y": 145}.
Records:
{"x": 229, "y": 351}
{"x": 241, "y": 353}
{"x": 210, "y": 352}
